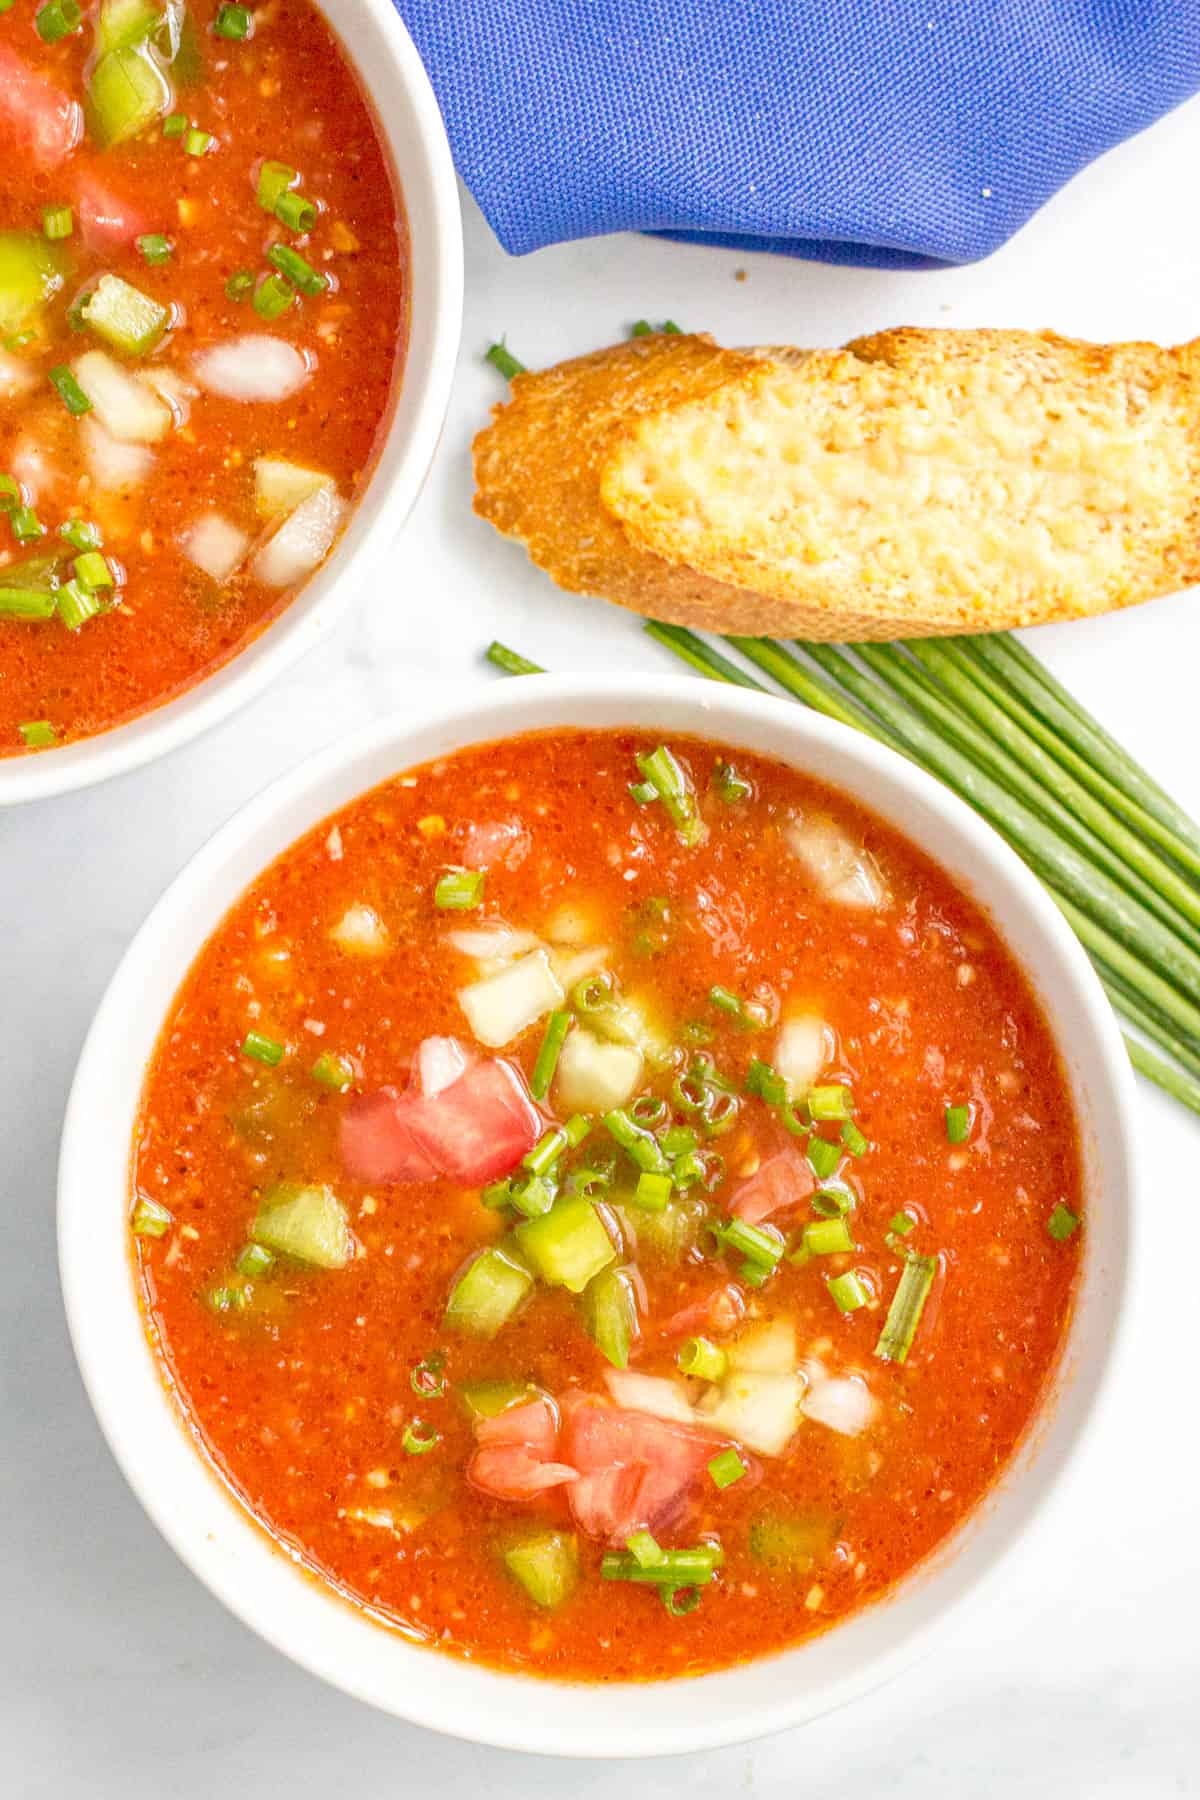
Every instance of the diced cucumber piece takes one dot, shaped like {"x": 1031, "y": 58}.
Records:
{"x": 124, "y": 22}
{"x": 128, "y": 91}
{"x": 488, "y": 1292}
{"x": 568, "y": 1246}
{"x": 792, "y": 1542}
{"x": 671, "y": 1232}
{"x": 280, "y": 486}
{"x": 610, "y": 1312}
{"x": 308, "y": 1224}
{"x": 124, "y": 317}
{"x": 488, "y": 1399}
{"x": 31, "y": 270}
{"x": 547, "y": 1566}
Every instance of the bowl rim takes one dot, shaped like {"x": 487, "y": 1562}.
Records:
{"x": 460, "y": 1698}
{"x": 430, "y": 202}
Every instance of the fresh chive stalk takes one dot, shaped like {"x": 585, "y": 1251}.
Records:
{"x": 908, "y": 1303}
{"x": 502, "y": 358}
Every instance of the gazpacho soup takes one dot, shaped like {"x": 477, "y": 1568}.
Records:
{"x": 203, "y": 309}
{"x": 610, "y": 1208}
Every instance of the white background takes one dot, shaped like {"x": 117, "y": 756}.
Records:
{"x": 119, "y": 1675}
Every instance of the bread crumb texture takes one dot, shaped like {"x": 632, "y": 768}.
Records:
{"x": 914, "y": 482}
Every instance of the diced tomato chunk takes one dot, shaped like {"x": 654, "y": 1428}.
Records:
{"x": 637, "y": 1473}
{"x": 515, "y": 1459}
{"x": 510, "y": 1472}
{"x": 721, "y": 1311}
{"x": 477, "y": 1128}
{"x": 785, "y": 1179}
{"x": 37, "y": 121}
{"x": 106, "y": 221}
{"x": 377, "y": 1142}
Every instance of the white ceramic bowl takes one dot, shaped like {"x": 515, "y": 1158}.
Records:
{"x": 408, "y": 117}
{"x": 210, "y": 1530}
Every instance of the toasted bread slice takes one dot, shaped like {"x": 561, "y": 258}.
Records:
{"x": 537, "y": 470}
{"x": 924, "y": 481}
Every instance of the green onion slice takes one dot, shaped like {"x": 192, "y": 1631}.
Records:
{"x": 428, "y": 1378}
{"x": 272, "y": 297}
{"x": 58, "y": 222}
{"x": 332, "y": 1072}
{"x": 644, "y": 1549}
{"x": 57, "y": 19}
{"x": 69, "y": 391}
{"x": 726, "y": 1468}
{"x": 419, "y": 1438}
{"x": 37, "y": 734}
{"x": 458, "y": 890}
{"x": 262, "y": 1049}
{"x": 155, "y": 248}
{"x": 502, "y": 358}
{"x": 699, "y": 1356}
{"x": 557, "y": 1027}
{"x": 958, "y": 1123}
{"x": 662, "y": 771}
{"x": 848, "y": 1292}
{"x": 301, "y": 274}
{"x": 234, "y": 22}
{"x": 904, "y": 1313}
{"x": 294, "y": 211}
{"x": 151, "y": 1218}
{"x": 1062, "y": 1222}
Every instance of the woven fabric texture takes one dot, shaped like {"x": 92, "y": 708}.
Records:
{"x": 888, "y": 133}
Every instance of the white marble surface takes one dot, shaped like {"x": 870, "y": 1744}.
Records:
{"x": 119, "y": 1675}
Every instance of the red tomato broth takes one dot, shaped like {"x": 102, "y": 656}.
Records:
{"x": 302, "y": 1400}
{"x": 288, "y": 93}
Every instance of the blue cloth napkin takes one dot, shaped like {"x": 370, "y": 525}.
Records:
{"x": 886, "y": 133}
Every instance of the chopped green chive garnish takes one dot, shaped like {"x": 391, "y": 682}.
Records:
{"x": 57, "y": 222}
{"x": 701, "y": 1357}
{"x": 762, "y": 1080}
{"x": 262, "y": 1049}
{"x": 761, "y": 1246}
{"x": 832, "y": 1102}
{"x": 76, "y": 604}
{"x": 726, "y": 1468}
{"x": 677, "y": 1568}
{"x": 502, "y": 358}
{"x": 731, "y": 786}
{"x": 557, "y": 1027}
{"x": 151, "y": 1218}
{"x": 155, "y": 248}
{"x": 69, "y": 391}
{"x": 1062, "y": 1222}
{"x": 427, "y": 1378}
{"x": 532, "y": 1195}
{"x": 294, "y": 211}
{"x": 823, "y": 1157}
{"x": 853, "y": 1139}
{"x": 26, "y": 526}
{"x": 958, "y": 1124}
{"x": 274, "y": 179}
{"x": 640, "y": 328}
{"x": 10, "y": 494}
{"x": 419, "y": 1438}
{"x": 197, "y": 142}
{"x": 511, "y": 662}
{"x": 254, "y": 1261}
{"x": 637, "y": 1143}
{"x": 751, "y": 1015}
{"x": 174, "y": 125}
{"x": 681, "y": 1601}
{"x": 273, "y": 296}
{"x": 56, "y": 20}
{"x": 653, "y": 1191}
{"x": 80, "y": 535}
{"x": 332, "y": 1072}
{"x": 289, "y": 262}
{"x": 92, "y": 569}
{"x": 234, "y": 23}
{"x": 832, "y": 1202}
{"x": 225, "y": 1298}
{"x": 27, "y": 603}
{"x": 645, "y": 1550}
{"x": 848, "y": 1292}
{"x": 38, "y": 734}
{"x": 902, "y": 1223}
{"x": 240, "y": 284}
{"x": 459, "y": 890}
{"x": 908, "y": 1303}
{"x": 661, "y": 771}
{"x": 828, "y": 1237}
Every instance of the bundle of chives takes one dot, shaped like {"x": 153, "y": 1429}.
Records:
{"x": 1118, "y": 856}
